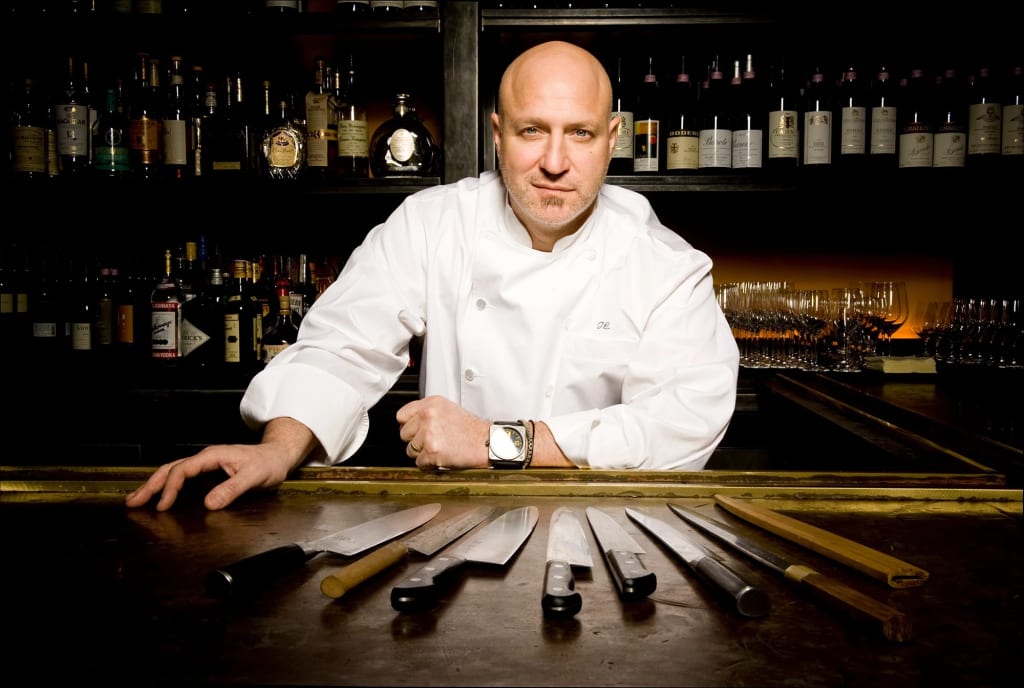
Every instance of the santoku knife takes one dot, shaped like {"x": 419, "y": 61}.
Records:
{"x": 620, "y": 550}
{"x": 567, "y": 547}
{"x": 426, "y": 543}
{"x": 494, "y": 543}
{"x": 744, "y": 598}
{"x": 894, "y": 624}
{"x": 247, "y": 574}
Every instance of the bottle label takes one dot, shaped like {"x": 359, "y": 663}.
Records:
{"x": 984, "y": 128}
{"x": 126, "y": 324}
{"x": 853, "y": 130}
{"x": 271, "y": 350}
{"x": 949, "y": 149}
{"x": 916, "y": 149}
{"x": 883, "y": 131}
{"x": 29, "y": 149}
{"x": 165, "y": 335}
{"x": 1013, "y": 129}
{"x": 645, "y": 151}
{"x": 317, "y": 130}
{"x": 232, "y": 338}
{"x": 716, "y": 148}
{"x": 818, "y": 137}
{"x": 402, "y": 146}
{"x": 81, "y": 336}
{"x": 682, "y": 150}
{"x": 747, "y": 150}
{"x": 191, "y": 337}
{"x": 72, "y": 129}
{"x": 175, "y": 148}
{"x": 353, "y": 140}
{"x": 783, "y": 135}
{"x": 623, "y": 136}
{"x": 283, "y": 149}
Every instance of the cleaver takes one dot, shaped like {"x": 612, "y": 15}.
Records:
{"x": 245, "y": 575}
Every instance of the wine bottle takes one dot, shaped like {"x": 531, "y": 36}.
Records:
{"x": 984, "y": 120}
{"x": 283, "y": 330}
{"x": 748, "y": 119}
{"x": 715, "y": 153}
{"x": 622, "y": 107}
{"x": 387, "y": 9}
{"x": 29, "y": 154}
{"x": 318, "y": 115}
{"x": 175, "y": 123}
{"x": 353, "y": 8}
{"x": 51, "y": 326}
{"x": 647, "y": 120}
{"x": 884, "y": 122}
{"x": 682, "y": 136}
{"x": 817, "y": 121}
{"x": 73, "y": 122}
{"x": 83, "y": 312}
{"x": 165, "y": 302}
{"x": 1012, "y": 138}
{"x": 353, "y": 159}
{"x": 852, "y": 118}
{"x": 949, "y": 140}
{"x": 105, "y": 323}
{"x": 402, "y": 145}
{"x": 783, "y": 126}
{"x": 916, "y": 134}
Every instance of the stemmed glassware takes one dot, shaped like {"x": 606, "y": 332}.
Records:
{"x": 889, "y": 303}
{"x": 847, "y": 328}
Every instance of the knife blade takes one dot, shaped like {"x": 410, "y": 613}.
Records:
{"x": 246, "y": 575}
{"x": 567, "y": 547}
{"x": 894, "y": 624}
{"x": 620, "y": 550}
{"x": 494, "y": 543}
{"x": 426, "y": 544}
{"x": 744, "y": 598}
{"x": 896, "y": 572}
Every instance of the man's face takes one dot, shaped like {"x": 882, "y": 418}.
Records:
{"x": 554, "y": 140}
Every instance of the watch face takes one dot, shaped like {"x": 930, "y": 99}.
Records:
{"x": 507, "y": 442}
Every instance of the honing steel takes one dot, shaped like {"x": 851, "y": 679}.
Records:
{"x": 246, "y": 575}
{"x": 620, "y": 550}
{"x": 426, "y": 543}
{"x": 567, "y": 547}
{"x": 894, "y": 624}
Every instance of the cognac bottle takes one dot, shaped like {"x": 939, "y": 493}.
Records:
{"x": 403, "y": 146}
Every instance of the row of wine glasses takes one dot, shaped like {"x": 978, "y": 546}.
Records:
{"x": 777, "y": 325}
{"x": 973, "y": 331}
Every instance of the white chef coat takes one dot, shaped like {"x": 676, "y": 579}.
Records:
{"x": 614, "y": 339}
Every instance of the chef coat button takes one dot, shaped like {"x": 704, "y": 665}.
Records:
{"x": 590, "y": 254}
{"x": 481, "y": 304}
{"x": 469, "y": 375}
{"x": 549, "y": 391}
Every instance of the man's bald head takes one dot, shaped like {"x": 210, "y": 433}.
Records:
{"x": 552, "y": 63}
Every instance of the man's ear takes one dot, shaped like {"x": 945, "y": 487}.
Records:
{"x": 496, "y": 130}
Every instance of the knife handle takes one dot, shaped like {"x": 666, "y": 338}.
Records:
{"x": 418, "y": 591}
{"x": 894, "y": 624}
{"x": 631, "y": 576}
{"x": 560, "y": 600}
{"x": 749, "y": 601}
{"x": 348, "y": 577}
{"x": 244, "y": 575}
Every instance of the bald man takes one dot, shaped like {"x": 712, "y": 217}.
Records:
{"x": 562, "y": 324}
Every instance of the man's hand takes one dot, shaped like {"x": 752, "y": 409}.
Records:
{"x": 442, "y": 434}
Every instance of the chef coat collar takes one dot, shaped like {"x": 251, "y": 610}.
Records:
{"x": 515, "y": 229}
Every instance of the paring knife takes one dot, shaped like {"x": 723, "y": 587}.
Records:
{"x": 245, "y": 575}
{"x": 567, "y": 547}
{"x": 744, "y": 598}
{"x": 426, "y": 543}
{"x": 894, "y": 623}
{"x": 494, "y": 543}
{"x": 620, "y": 550}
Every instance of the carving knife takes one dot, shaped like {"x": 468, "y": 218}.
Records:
{"x": 895, "y": 572}
{"x": 567, "y": 547}
{"x": 894, "y": 624}
{"x": 426, "y": 543}
{"x": 494, "y": 544}
{"x": 620, "y": 550}
{"x": 245, "y": 575}
{"x": 745, "y": 599}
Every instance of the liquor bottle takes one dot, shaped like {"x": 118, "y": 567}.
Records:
{"x": 949, "y": 141}
{"x": 1012, "y": 138}
{"x": 984, "y": 120}
{"x": 352, "y": 8}
{"x": 748, "y": 120}
{"x": 622, "y": 107}
{"x": 884, "y": 118}
{"x": 851, "y": 138}
{"x": 817, "y": 121}
{"x": 29, "y": 144}
{"x": 282, "y": 330}
{"x": 227, "y": 145}
{"x": 353, "y": 159}
{"x": 916, "y": 134}
{"x": 243, "y": 324}
{"x": 144, "y": 119}
{"x": 198, "y": 114}
{"x": 715, "y": 128}
{"x": 83, "y": 311}
{"x": 104, "y": 334}
{"x": 51, "y": 325}
{"x": 646, "y": 123}
{"x": 783, "y": 120}
{"x": 303, "y": 287}
{"x": 318, "y": 116}
{"x": 133, "y": 333}
{"x": 72, "y": 123}
{"x": 283, "y": 150}
{"x": 202, "y": 336}
{"x": 402, "y": 145}
{"x": 175, "y": 123}
{"x": 111, "y": 150}
{"x": 682, "y": 136}
{"x": 165, "y": 302}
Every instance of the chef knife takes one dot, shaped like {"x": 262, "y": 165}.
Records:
{"x": 744, "y": 597}
{"x": 247, "y": 574}
{"x": 426, "y": 543}
{"x": 894, "y": 624}
{"x": 896, "y": 572}
{"x": 567, "y": 547}
{"x": 620, "y": 550}
{"x": 494, "y": 543}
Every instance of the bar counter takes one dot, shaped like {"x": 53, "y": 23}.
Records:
{"x": 97, "y": 594}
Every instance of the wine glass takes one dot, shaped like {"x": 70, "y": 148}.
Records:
{"x": 890, "y": 297}
{"x": 929, "y": 327}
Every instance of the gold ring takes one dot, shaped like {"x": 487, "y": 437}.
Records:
{"x": 415, "y": 449}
